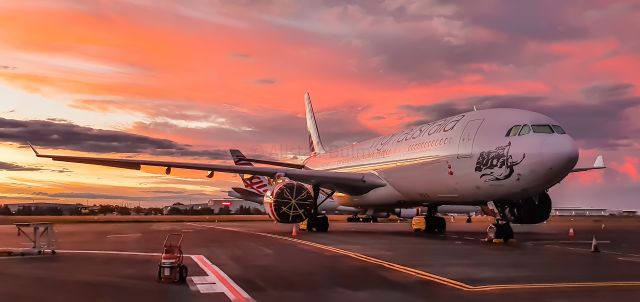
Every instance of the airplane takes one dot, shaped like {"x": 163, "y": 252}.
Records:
{"x": 256, "y": 186}
{"x": 504, "y": 160}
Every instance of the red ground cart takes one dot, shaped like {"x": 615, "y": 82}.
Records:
{"x": 170, "y": 267}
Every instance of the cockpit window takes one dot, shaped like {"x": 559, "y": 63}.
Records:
{"x": 525, "y": 130}
{"x": 542, "y": 129}
{"x": 558, "y": 129}
{"x": 513, "y": 131}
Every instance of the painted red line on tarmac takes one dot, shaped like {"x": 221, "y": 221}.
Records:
{"x": 225, "y": 280}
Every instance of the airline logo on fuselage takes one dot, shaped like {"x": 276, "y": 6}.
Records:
{"x": 441, "y": 126}
{"x": 497, "y": 164}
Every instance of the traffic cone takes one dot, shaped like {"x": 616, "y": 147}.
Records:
{"x": 571, "y": 233}
{"x": 294, "y": 233}
{"x": 594, "y": 245}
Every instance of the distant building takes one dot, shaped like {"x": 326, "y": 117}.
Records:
{"x": 579, "y": 211}
{"x": 45, "y": 207}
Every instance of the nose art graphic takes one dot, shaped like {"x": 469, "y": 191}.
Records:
{"x": 497, "y": 164}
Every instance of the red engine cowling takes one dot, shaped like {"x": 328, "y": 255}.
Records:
{"x": 288, "y": 202}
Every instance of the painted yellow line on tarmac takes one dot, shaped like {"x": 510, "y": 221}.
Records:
{"x": 428, "y": 276}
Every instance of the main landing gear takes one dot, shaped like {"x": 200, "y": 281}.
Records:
{"x": 429, "y": 223}
{"x": 318, "y": 222}
{"x": 356, "y": 218}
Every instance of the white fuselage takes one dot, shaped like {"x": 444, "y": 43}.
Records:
{"x": 465, "y": 159}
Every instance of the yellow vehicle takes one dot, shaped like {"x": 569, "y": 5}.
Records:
{"x": 418, "y": 223}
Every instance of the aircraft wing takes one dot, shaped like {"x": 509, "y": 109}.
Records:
{"x": 345, "y": 182}
{"x": 239, "y": 157}
{"x": 598, "y": 164}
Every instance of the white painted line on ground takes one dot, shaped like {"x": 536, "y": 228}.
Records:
{"x": 469, "y": 238}
{"x": 124, "y": 235}
{"x": 566, "y": 241}
{"x": 630, "y": 259}
{"x": 228, "y": 286}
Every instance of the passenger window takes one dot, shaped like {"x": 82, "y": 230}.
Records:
{"x": 558, "y": 129}
{"x": 513, "y": 131}
{"x": 525, "y": 130}
{"x": 542, "y": 129}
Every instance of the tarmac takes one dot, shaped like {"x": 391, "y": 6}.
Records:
{"x": 261, "y": 261}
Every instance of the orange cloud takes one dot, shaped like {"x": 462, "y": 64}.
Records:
{"x": 629, "y": 167}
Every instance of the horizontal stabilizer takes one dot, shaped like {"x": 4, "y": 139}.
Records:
{"x": 598, "y": 164}
{"x": 247, "y": 195}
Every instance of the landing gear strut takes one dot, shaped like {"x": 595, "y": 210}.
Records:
{"x": 316, "y": 221}
{"x": 433, "y": 222}
{"x": 500, "y": 230}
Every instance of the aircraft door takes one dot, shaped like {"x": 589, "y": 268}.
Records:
{"x": 465, "y": 147}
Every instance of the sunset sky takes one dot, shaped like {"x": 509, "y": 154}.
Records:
{"x": 187, "y": 80}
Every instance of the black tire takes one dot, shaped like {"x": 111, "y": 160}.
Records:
{"x": 374, "y": 219}
{"x": 184, "y": 272}
{"x": 504, "y": 231}
{"x": 469, "y": 219}
{"x": 53, "y": 252}
{"x": 322, "y": 223}
{"x": 159, "y": 273}
{"x": 435, "y": 224}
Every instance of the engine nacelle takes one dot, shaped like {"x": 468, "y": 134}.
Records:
{"x": 408, "y": 213}
{"x": 530, "y": 210}
{"x": 288, "y": 202}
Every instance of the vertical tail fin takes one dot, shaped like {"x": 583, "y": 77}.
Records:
{"x": 315, "y": 144}
{"x": 253, "y": 183}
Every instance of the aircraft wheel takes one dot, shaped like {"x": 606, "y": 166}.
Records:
{"x": 504, "y": 231}
{"x": 322, "y": 223}
{"x": 184, "y": 272}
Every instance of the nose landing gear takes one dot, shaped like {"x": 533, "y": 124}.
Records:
{"x": 501, "y": 230}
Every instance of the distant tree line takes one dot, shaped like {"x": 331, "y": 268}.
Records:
{"x": 107, "y": 209}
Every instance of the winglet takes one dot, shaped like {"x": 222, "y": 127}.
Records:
{"x": 34, "y": 149}
{"x": 599, "y": 163}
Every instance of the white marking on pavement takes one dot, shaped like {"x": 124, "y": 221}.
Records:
{"x": 124, "y": 235}
{"x": 567, "y": 241}
{"x": 229, "y": 288}
{"x": 630, "y": 259}
{"x": 469, "y": 238}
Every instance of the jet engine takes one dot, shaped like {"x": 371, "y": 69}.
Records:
{"x": 288, "y": 202}
{"x": 408, "y": 213}
{"x": 532, "y": 210}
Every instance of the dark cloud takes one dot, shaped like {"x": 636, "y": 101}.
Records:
{"x": 7, "y": 67}
{"x": 4, "y": 166}
{"x": 66, "y": 135}
{"x": 600, "y": 122}
{"x": 266, "y": 81}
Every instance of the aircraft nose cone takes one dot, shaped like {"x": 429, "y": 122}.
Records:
{"x": 561, "y": 154}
